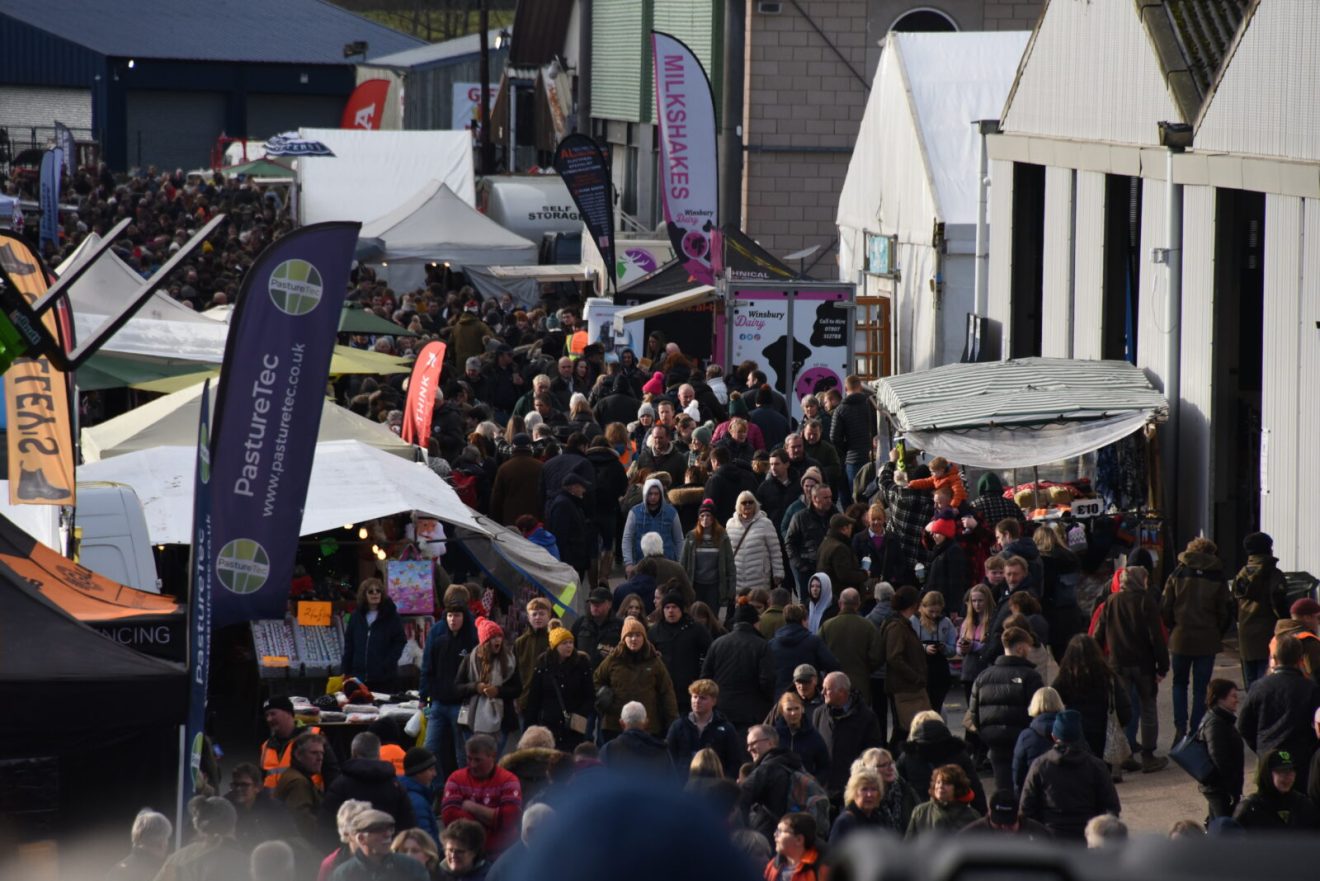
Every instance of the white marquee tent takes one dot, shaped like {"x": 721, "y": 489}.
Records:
{"x": 915, "y": 166}
{"x": 374, "y": 172}
{"x": 172, "y": 421}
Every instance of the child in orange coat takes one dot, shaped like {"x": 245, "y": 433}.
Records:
{"x": 943, "y": 474}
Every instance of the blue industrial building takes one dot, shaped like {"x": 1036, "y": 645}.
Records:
{"x": 158, "y": 81}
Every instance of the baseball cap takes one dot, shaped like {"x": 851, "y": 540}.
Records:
{"x": 600, "y": 595}
{"x": 1279, "y": 760}
{"x": 804, "y": 672}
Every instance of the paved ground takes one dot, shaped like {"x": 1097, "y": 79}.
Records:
{"x": 1152, "y": 802}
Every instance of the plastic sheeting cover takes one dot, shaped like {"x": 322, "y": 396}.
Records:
{"x": 1023, "y": 447}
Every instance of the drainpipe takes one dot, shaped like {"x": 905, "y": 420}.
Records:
{"x": 984, "y": 127}
{"x": 731, "y": 89}
{"x": 1175, "y": 138}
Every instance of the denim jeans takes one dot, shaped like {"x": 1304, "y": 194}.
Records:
{"x": 1253, "y": 670}
{"x": 438, "y": 718}
{"x": 850, "y": 470}
{"x": 1199, "y": 669}
{"x": 1142, "y": 692}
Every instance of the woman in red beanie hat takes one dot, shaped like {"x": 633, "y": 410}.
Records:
{"x": 946, "y": 570}
{"x": 488, "y": 683}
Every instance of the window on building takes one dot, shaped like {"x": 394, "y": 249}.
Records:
{"x": 925, "y": 20}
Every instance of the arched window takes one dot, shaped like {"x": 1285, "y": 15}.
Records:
{"x": 925, "y": 20}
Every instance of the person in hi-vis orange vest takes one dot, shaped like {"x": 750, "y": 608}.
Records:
{"x": 277, "y": 751}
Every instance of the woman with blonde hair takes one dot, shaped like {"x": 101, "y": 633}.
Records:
{"x": 706, "y": 763}
{"x": 899, "y": 798}
{"x": 939, "y": 639}
{"x": 1037, "y": 738}
{"x": 864, "y": 807}
{"x": 757, "y": 558}
{"x": 418, "y": 844}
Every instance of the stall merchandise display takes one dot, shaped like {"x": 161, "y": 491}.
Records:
{"x": 287, "y": 649}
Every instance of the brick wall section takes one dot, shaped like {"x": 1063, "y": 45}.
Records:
{"x": 804, "y": 107}
{"x": 803, "y": 112}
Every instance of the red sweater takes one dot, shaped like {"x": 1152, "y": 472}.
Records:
{"x": 500, "y": 790}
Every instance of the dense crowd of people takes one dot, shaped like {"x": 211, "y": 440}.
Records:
{"x": 779, "y": 605}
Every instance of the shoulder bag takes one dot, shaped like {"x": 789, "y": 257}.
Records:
{"x": 1193, "y": 756}
{"x": 1117, "y": 748}
{"x": 575, "y": 721}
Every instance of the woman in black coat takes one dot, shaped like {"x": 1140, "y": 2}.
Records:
{"x": 373, "y": 639}
{"x": 1086, "y": 683}
{"x": 1219, "y": 732}
{"x": 561, "y": 685}
{"x": 931, "y": 745}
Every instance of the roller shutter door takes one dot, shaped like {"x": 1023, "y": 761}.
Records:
{"x": 173, "y": 129}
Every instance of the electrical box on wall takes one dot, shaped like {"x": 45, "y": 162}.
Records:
{"x": 769, "y": 7}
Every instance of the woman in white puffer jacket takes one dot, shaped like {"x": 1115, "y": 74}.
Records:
{"x": 757, "y": 558}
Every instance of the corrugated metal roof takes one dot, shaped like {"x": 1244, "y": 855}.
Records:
{"x": 1193, "y": 38}
{"x": 435, "y": 53}
{"x": 542, "y": 26}
{"x": 1023, "y": 391}
{"x": 290, "y": 31}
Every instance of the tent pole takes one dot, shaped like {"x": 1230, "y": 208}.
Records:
{"x": 178, "y": 797}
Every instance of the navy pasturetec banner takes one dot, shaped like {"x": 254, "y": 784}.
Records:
{"x": 267, "y": 413}
{"x": 52, "y": 166}
{"x": 199, "y": 605}
{"x": 581, "y": 163}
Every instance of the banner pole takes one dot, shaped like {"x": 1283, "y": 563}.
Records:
{"x": 178, "y": 797}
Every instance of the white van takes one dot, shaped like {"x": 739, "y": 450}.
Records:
{"x": 115, "y": 542}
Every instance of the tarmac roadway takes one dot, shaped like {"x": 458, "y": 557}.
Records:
{"x": 1151, "y": 802}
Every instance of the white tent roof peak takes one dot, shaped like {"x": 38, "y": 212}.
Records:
{"x": 172, "y": 421}
{"x": 915, "y": 157}
{"x": 436, "y": 225}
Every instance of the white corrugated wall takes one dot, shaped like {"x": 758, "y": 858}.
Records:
{"x": 1265, "y": 105}
{"x": 1056, "y": 318}
{"x": 1195, "y": 411}
{"x": 1307, "y": 473}
{"x": 1152, "y": 341}
{"x": 1279, "y": 493}
{"x": 999, "y": 296}
{"x": 1089, "y": 277}
{"x": 1091, "y": 74}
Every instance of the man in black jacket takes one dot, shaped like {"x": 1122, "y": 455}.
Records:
{"x": 1279, "y": 711}
{"x": 636, "y": 750}
{"x": 765, "y": 791}
{"x": 681, "y": 641}
{"x": 366, "y": 778}
{"x": 779, "y": 489}
{"x": 1068, "y": 786}
{"x": 1001, "y": 695}
{"x": 565, "y": 520}
{"x": 852, "y": 426}
{"x": 703, "y": 728}
{"x": 804, "y": 535}
{"x": 447, "y": 646}
{"x": 848, "y": 727}
{"x": 598, "y": 631}
{"x": 729, "y": 478}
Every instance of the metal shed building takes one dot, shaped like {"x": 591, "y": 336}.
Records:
{"x": 1218, "y": 299}
{"x": 157, "y": 81}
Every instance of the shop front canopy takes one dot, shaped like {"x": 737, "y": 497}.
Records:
{"x": 695, "y": 296}
{"x": 1021, "y": 412}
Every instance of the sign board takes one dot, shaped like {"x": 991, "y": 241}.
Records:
{"x": 880, "y": 254}
{"x": 1087, "y": 508}
{"x": 800, "y": 335}
{"x": 314, "y": 613}
{"x": 465, "y": 112}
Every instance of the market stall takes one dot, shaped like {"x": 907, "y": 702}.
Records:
{"x": 1071, "y": 439}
